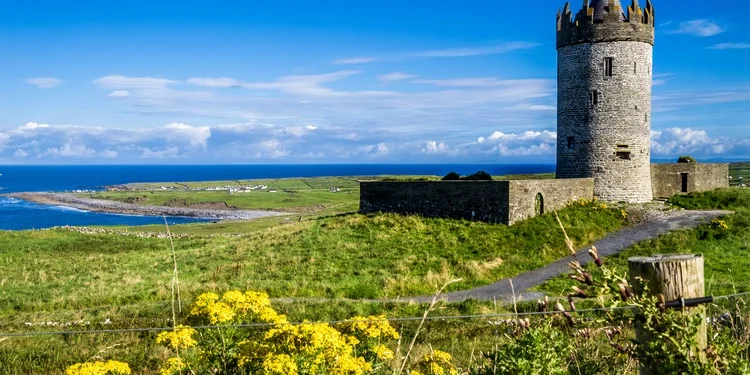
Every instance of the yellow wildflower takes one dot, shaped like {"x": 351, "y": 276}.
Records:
{"x": 180, "y": 338}
{"x": 279, "y": 364}
{"x": 202, "y": 303}
{"x": 220, "y": 312}
{"x": 99, "y": 368}
{"x": 173, "y": 366}
{"x": 383, "y": 353}
{"x": 375, "y": 327}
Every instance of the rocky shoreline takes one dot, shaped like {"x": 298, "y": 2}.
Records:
{"x": 115, "y": 207}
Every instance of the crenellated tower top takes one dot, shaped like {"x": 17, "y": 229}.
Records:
{"x": 605, "y": 21}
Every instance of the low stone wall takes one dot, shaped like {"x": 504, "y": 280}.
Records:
{"x": 505, "y": 202}
{"x": 680, "y": 178}
{"x": 471, "y": 200}
{"x": 555, "y": 194}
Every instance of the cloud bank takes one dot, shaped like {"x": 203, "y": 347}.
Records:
{"x": 257, "y": 142}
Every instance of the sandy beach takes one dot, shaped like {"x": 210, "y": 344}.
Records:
{"x": 99, "y": 205}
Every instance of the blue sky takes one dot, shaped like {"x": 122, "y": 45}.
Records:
{"x": 337, "y": 81}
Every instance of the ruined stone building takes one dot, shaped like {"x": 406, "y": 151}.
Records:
{"x": 605, "y": 71}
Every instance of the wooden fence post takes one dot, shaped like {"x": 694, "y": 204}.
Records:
{"x": 674, "y": 277}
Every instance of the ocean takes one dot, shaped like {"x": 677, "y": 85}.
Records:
{"x": 16, "y": 214}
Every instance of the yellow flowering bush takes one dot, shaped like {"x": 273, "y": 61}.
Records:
{"x": 179, "y": 338}
{"x": 435, "y": 363}
{"x": 309, "y": 349}
{"x": 355, "y": 347}
{"x": 99, "y": 368}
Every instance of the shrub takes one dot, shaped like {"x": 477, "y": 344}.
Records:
{"x": 453, "y": 176}
{"x": 541, "y": 350}
{"x": 686, "y": 159}
{"x": 479, "y": 176}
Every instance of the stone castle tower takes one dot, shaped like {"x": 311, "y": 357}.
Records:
{"x": 604, "y": 97}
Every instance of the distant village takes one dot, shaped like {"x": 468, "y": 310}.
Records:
{"x": 739, "y": 181}
{"x": 228, "y": 188}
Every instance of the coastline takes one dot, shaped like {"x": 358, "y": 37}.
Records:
{"x": 114, "y": 207}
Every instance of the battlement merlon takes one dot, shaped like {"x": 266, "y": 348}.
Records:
{"x": 605, "y": 21}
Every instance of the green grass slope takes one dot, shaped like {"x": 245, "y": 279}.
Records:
{"x": 353, "y": 256}
{"x": 726, "y": 250}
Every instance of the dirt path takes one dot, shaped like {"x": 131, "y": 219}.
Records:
{"x": 610, "y": 245}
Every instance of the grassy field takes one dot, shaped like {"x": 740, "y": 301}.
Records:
{"x": 352, "y": 256}
{"x": 727, "y": 251}
{"x": 61, "y": 276}
{"x": 737, "y": 170}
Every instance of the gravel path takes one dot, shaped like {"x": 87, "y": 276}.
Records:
{"x": 610, "y": 245}
{"x": 100, "y": 205}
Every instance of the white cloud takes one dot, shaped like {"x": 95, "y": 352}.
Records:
{"x": 108, "y": 154}
{"x": 395, "y": 76}
{"x": 722, "y": 46}
{"x": 214, "y": 82}
{"x": 119, "y": 94}
{"x": 295, "y": 99}
{"x": 477, "y": 51}
{"x": 355, "y": 60}
{"x": 380, "y": 149}
{"x": 115, "y": 82}
{"x": 701, "y": 28}
{"x": 685, "y": 141}
{"x": 438, "y": 148}
{"x": 19, "y": 153}
{"x": 195, "y": 136}
{"x": 70, "y": 150}
{"x": 660, "y": 79}
{"x": 44, "y": 82}
{"x": 168, "y": 153}
{"x": 448, "y": 52}
{"x": 32, "y": 126}
{"x": 261, "y": 141}
{"x": 477, "y": 82}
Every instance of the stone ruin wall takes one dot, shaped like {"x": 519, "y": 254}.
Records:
{"x": 504, "y": 202}
{"x": 470, "y": 200}
{"x": 667, "y": 178}
{"x": 556, "y": 194}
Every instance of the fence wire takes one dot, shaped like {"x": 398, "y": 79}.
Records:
{"x": 334, "y": 322}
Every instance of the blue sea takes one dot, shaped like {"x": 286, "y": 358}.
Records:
{"x": 16, "y": 214}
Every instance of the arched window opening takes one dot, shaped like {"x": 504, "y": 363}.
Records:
{"x": 539, "y": 204}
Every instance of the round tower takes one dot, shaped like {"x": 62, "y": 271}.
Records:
{"x": 604, "y": 71}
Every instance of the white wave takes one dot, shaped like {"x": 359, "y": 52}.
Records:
{"x": 66, "y": 208}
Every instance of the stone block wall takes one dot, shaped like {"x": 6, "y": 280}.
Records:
{"x": 504, "y": 202}
{"x": 555, "y": 195}
{"x": 667, "y": 179}
{"x": 607, "y": 137}
{"x": 471, "y": 200}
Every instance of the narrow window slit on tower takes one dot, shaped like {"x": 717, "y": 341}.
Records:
{"x": 623, "y": 155}
{"x": 622, "y": 146}
{"x": 571, "y": 143}
{"x": 609, "y": 67}
{"x": 635, "y": 67}
{"x": 594, "y": 97}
